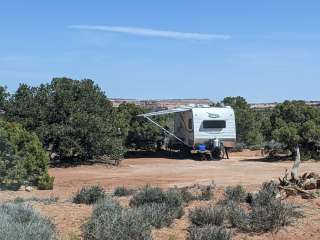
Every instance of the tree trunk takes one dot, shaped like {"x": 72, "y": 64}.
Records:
{"x": 296, "y": 165}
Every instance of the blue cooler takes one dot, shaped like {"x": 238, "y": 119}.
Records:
{"x": 202, "y": 147}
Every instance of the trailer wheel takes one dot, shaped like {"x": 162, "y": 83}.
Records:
{"x": 216, "y": 153}
{"x": 185, "y": 152}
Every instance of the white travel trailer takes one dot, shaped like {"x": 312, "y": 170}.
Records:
{"x": 194, "y": 126}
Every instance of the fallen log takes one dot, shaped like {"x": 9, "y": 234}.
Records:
{"x": 293, "y": 191}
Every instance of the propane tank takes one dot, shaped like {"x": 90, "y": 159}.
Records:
{"x": 216, "y": 143}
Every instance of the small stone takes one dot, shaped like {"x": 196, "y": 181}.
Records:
{"x": 29, "y": 189}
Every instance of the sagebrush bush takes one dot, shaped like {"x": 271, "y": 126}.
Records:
{"x": 272, "y": 216}
{"x": 186, "y": 194}
{"x": 147, "y": 195}
{"x": 235, "y": 193}
{"x": 122, "y": 191}
{"x": 157, "y": 207}
{"x": 89, "y": 195}
{"x": 266, "y": 194}
{"x": 18, "y": 221}
{"x": 159, "y": 214}
{"x": 173, "y": 198}
{"x": 237, "y": 216}
{"x": 266, "y": 212}
{"x": 109, "y": 221}
{"x": 201, "y": 216}
{"x": 208, "y": 232}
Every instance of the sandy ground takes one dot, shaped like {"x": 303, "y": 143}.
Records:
{"x": 245, "y": 168}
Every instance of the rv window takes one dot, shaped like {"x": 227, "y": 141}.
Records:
{"x": 190, "y": 123}
{"x": 214, "y": 124}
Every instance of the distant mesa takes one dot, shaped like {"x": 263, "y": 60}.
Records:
{"x": 266, "y": 106}
{"x": 163, "y": 104}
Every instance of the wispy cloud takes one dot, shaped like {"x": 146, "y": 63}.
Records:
{"x": 152, "y": 32}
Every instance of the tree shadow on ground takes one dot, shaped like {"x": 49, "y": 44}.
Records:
{"x": 268, "y": 159}
{"x": 76, "y": 163}
{"x": 175, "y": 155}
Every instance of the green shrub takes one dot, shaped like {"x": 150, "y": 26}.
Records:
{"x": 208, "y": 232}
{"x": 45, "y": 182}
{"x": 110, "y": 221}
{"x": 201, "y": 216}
{"x": 122, "y": 191}
{"x": 22, "y": 222}
{"x": 22, "y": 158}
{"x": 236, "y": 193}
{"x": 89, "y": 195}
{"x": 147, "y": 195}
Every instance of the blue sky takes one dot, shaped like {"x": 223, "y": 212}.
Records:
{"x": 262, "y": 50}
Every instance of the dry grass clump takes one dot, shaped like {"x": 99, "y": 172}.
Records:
{"x": 235, "y": 193}
{"x": 147, "y": 195}
{"x": 46, "y": 201}
{"x": 122, "y": 191}
{"x": 198, "y": 192}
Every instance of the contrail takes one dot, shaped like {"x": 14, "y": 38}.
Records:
{"x": 152, "y": 32}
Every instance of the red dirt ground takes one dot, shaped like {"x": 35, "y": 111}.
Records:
{"x": 245, "y": 168}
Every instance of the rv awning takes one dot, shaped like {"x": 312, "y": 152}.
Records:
{"x": 174, "y": 110}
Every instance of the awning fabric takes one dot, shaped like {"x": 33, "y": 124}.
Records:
{"x": 163, "y": 112}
